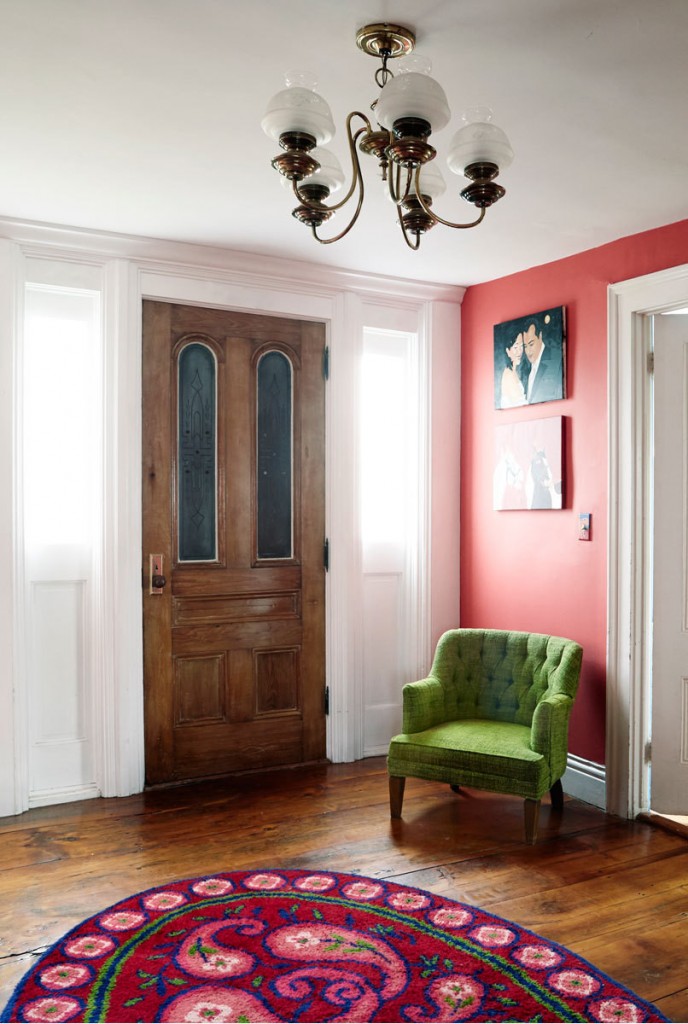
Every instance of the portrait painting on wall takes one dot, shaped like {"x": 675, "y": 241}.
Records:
{"x": 530, "y": 359}
{"x": 528, "y": 465}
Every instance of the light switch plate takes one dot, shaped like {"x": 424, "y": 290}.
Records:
{"x": 584, "y": 526}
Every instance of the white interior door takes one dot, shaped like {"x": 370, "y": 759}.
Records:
{"x": 669, "y": 771}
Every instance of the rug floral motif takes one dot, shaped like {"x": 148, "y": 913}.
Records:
{"x": 276, "y": 945}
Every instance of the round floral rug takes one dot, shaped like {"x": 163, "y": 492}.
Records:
{"x": 278, "y": 945}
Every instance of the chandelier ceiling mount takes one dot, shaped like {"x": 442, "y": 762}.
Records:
{"x": 382, "y": 40}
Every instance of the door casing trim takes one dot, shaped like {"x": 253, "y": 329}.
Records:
{"x": 134, "y": 269}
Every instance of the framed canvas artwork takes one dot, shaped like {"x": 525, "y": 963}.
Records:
{"x": 528, "y": 465}
{"x": 530, "y": 359}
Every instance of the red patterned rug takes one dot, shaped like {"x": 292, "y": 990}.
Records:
{"x": 311, "y": 946}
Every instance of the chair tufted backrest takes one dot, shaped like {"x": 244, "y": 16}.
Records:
{"x": 502, "y": 675}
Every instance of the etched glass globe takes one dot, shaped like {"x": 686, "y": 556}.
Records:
{"x": 479, "y": 141}
{"x": 329, "y": 173}
{"x": 413, "y": 93}
{"x": 432, "y": 183}
{"x": 298, "y": 108}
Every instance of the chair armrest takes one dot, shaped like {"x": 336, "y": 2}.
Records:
{"x": 549, "y": 731}
{"x": 423, "y": 705}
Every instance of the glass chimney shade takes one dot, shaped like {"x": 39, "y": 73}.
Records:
{"x": 432, "y": 183}
{"x": 329, "y": 173}
{"x": 298, "y": 108}
{"x": 413, "y": 93}
{"x": 479, "y": 141}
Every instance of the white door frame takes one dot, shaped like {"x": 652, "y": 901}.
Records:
{"x": 629, "y": 539}
{"x": 139, "y": 268}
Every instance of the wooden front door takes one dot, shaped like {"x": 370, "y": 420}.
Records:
{"x": 233, "y": 534}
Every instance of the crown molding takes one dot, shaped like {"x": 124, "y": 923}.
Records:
{"x": 36, "y": 237}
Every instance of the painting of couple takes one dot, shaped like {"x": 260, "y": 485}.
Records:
{"x": 529, "y": 359}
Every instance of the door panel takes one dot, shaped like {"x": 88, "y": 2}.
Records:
{"x": 233, "y": 482}
{"x": 669, "y": 775}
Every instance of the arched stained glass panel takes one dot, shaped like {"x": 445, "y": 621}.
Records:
{"x": 197, "y": 461}
{"x": 274, "y": 457}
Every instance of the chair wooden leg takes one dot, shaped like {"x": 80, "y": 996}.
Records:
{"x": 557, "y": 796}
{"x": 532, "y": 813}
{"x": 396, "y": 795}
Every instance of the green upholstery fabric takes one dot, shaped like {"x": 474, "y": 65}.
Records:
{"x": 492, "y": 714}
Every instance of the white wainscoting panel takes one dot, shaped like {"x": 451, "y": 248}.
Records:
{"x": 383, "y": 598}
{"x": 60, "y": 696}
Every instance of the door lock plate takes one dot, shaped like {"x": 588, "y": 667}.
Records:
{"x": 155, "y": 575}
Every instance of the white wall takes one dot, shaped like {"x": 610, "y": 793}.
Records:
{"x": 135, "y": 268}
{"x": 8, "y": 656}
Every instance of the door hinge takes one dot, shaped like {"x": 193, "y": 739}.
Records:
{"x": 326, "y": 362}
{"x": 648, "y": 752}
{"x": 327, "y": 700}
{"x": 650, "y": 362}
{"x": 326, "y": 554}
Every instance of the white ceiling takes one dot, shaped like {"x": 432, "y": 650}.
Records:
{"x": 143, "y": 117}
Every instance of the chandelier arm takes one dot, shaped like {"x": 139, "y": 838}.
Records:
{"x": 449, "y": 223}
{"x": 393, "y": 171}
{"x": 440, "y": 220}
{"x": 404, "y": 232}
{"x": 357, "y": 176}
{"x": 409, "y": 183}
{"x": 347, "y": 229}
{"x": 394, "y": 186}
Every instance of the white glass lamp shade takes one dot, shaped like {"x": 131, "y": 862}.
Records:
{"x": 479, "y": 141}
{"x": 330, "y": 172}
{"x": 298, "y": 108}
{"x": 432, "y": 183}
{"x": 413, "y": 93}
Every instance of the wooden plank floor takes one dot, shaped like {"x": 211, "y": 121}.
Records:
{"x": 614, "y": 891}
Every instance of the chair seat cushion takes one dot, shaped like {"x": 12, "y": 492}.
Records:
{"x": 473, "y": 752}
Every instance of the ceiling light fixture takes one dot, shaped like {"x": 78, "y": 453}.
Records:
{"x": 409, "y": 108}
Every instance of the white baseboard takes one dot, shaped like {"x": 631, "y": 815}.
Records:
{"x": 45, "y": 798}
{"x": 586, "y": 781}
{"x": 380, "y": 750}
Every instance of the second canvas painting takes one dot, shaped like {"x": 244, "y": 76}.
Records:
{"x": 528, "y": 464}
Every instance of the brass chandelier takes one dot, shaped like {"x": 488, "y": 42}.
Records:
{"x": 409, "y": 108}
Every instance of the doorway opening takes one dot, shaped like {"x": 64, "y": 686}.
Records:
{"x": 633, "y": 313}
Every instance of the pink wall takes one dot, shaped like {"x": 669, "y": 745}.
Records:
{"x": 528, "y": 570}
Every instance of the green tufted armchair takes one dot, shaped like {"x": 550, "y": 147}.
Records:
{"x": 493, "y": 714}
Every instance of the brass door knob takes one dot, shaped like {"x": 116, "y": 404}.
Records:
{"x": 159, "y": 582}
